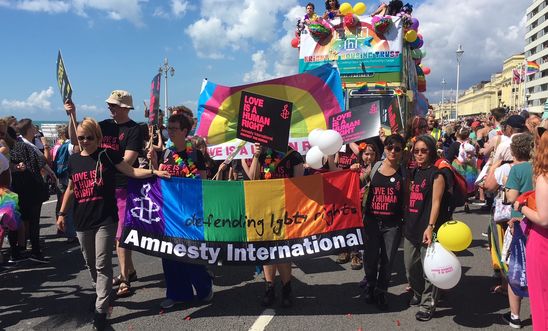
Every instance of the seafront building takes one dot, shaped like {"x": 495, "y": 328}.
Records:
{"x": 502, "y": 90}
{"x": 536, "y": 49}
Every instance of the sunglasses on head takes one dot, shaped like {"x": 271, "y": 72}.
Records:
{"x": 420, "y": 151}
{"x": 396, "y": 149}
{"x": 88, "y": 138}
{"x": 540, "y": 130}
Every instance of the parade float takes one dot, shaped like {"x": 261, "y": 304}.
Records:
{"x": 379, "y": 57}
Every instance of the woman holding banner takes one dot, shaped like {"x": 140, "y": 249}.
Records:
{"x": 182, "y": 160}
{"x": 271, "y": 164}
{"x": 91, "y": 185}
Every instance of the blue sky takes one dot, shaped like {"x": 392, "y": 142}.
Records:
{"x": 120, "y": 44}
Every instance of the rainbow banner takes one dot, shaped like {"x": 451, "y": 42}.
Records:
{"x": 316, "y": 95}
{"x": 244, "y": 222}
{"x": 531, "y": 68}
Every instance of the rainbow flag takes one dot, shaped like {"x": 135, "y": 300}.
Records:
{"x": 532, "y": 68}
{"x": 316, "y": 95}
{"x": 381, "y": 85}
{"x": 244, "y": 222}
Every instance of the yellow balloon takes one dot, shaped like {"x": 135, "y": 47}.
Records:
{"x": 345, "y": 8}
{"x": 456, "y": 236}
{"x": 359, "y": 8}
{"x": 411, "y": 36}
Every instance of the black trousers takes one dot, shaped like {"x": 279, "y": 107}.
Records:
{"x": 382, "y": 240}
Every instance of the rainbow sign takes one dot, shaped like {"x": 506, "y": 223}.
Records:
{"x": 316, "y": 95}
{"x": 244, "y": 222}
{"x": 361, "y": 55}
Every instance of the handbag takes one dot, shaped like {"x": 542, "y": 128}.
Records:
{"x": 503, "y": 211}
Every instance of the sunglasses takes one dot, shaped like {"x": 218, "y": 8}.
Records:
{"x": 420, "y": 151}
{"x": 396, "y": 149}
{"x": 88, "y": 138}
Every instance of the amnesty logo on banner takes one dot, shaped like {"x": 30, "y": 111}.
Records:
{"x": 62, "y": 79}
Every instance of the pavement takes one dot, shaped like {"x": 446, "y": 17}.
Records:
{"x": 58, "y": 295}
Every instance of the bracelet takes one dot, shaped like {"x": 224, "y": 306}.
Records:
{"x": 61, "y": 213}
{"x": 432, "y": 225}
{"x": 152, "y": 171}
{"x": 520, "y": 208}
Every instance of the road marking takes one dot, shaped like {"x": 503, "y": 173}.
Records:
{"x": 51, "y": 201}
{"x": 263, "y": 320}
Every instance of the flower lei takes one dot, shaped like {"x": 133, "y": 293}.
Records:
{"x": 189, "y": 168}
{"x": 271, "y": 162}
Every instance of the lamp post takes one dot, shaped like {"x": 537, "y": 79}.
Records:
{"x": 443, "y": 83}
{"x": 459, "y": 53}
{"x": 164, "y": 69}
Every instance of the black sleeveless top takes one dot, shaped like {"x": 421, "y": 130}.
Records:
{"x": 385, "y": 198}
{"x": 419, "y": 204}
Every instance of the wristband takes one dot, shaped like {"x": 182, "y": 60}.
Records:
{"x": 61, "y": 213}
{"x": 432, "y": 225}
{"x": 152, "y": 171}
{"x": 520, "y": 208}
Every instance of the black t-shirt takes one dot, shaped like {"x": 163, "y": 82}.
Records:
{"x": 94, "y": 187}
{"x": 419, "y": 205}
{"x": 122, "y": 137}
{"x": 446, "y": 206}
{"x": 453, "y": 151}
{"x": 284, "y": 163}
{"x": 167, "y": 161}
{"x": 385, "y": 198}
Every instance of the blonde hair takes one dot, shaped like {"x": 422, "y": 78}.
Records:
{"x": 90, "y": 125}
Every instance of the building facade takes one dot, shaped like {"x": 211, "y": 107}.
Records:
{"x": 500, "y": 91}
{"x": 536, "y": 49}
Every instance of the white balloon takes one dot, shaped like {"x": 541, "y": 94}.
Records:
{"x": 442, "y": 267}
{"x": 314, "y": 157}
{"x": 330, "y": 142}
{"x": 314, "y": 137}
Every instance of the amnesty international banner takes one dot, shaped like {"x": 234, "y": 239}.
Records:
{"x": 244, "y": 222}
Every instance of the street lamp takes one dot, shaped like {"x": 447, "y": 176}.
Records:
{"x": 164, "y": 69}
{"x": 459, "y": 53}
{"x": 443, "y": 83}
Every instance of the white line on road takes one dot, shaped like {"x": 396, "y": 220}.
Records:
{"x": 263, "y": 320}
{"x": 51, "y": 201}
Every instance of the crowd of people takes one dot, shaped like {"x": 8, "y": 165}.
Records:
{"x": 411, "y": 183}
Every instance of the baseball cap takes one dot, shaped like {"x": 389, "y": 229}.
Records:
{"x": 475, "y": 124}
{"x": 516, "y": 121}
{"x": 121, "y": 98}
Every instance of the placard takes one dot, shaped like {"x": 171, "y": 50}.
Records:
{"x": 264, "y": 120}
{"x": 359, "y": 122}
{"x": 62, "y": 79}
{"x": 154, "y": 100}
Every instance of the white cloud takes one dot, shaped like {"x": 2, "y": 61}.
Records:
{"x": 90, "y": 108}
{"x": 36, "y": 101}
{"x": 48, "y": 6}
{"x": 281, "y": 54}
{"x": 489, "y": 31}
{"x": 179, "y": 7}
{"x": 240, "y": 23}
{"x": 260, "y": 67}
{"x": 129, "y": 10}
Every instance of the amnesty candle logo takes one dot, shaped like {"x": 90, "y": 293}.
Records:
{"x": 146, "y": 207}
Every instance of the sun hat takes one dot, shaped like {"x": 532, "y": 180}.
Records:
{"x": 121, "y": 98}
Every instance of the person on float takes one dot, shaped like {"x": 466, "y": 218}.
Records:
{"x": 383, "y": 213}
{"x": 331, "y": 9}
{"x": 270, "y": 164}
{"x": 91, "y": 195}
{"x": 422, "y": 211}
{"x": 181, "y": 159}
{"x": 537, "y": 241}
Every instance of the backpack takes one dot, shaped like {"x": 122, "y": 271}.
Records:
{"x": 459, "y": 183}
{"x": 61, "y": 159}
